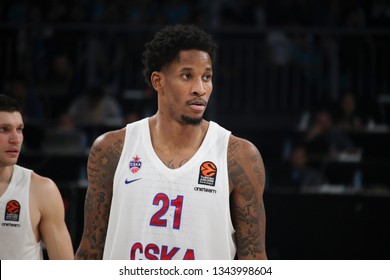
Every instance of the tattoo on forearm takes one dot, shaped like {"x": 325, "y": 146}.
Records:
{"x": 249, "y": 231}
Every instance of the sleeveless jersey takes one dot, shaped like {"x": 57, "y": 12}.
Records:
{"x": 162, "y": 213}
{"x": 17, "y": 239}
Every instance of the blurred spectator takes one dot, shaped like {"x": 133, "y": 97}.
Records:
{"x": 347, "y": 115}
{"x": 280, "y": 48}
{"x": 62, "y": 74}
{"x": 32, "y": 105}
{"x": 296, "y": 172}
{"x": 308, "y": 57}
{"x": 63, "y": 84}
{"x": 325, "y": 139}
{"x": 106, "y": 56}
{"x": 302, "y": 175}
{"x": 95, "y": 107}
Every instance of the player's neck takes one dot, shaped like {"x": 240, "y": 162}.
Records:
{"x": 175, "y": 136}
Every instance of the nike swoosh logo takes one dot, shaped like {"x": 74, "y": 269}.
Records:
{"x": 131, "y": 181}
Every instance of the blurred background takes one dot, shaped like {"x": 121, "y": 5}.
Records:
{"x": 306, "y": 81}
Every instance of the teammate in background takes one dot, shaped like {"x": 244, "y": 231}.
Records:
{"x": 173, "y": 185}
{"x": 31, "y": 207}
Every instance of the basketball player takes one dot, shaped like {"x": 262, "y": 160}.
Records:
{"x": 31, "y": 207}
{"x": 173, "y": 185}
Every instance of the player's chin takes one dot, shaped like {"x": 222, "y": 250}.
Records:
{"x": 192, "y": 120}
{"x": 11, "y": 161}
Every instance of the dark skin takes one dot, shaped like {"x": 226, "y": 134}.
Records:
{"x": 183, "y": 89}
{"x": 246, "y": 183}
{"x": 102, "y": 162}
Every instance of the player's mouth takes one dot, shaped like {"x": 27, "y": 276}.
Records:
{"x": 12, "y": 152}
{"x": 197, "y": 105}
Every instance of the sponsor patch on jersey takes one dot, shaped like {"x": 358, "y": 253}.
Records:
{"x": 207, "y": 173}
{"x": 135, "y": 164}
{"x": 12, "y": 211}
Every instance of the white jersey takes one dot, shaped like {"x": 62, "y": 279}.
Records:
{"x": 17, "y": 239}
{"x": 162, "y": 213}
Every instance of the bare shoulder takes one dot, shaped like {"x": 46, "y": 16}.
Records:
{"x": 240, "y": 147}
{"x": 45, "y": 196}
{"x": 244, "y": 158}
{"x": 42, "y": 186}
{"x": 105, "y": 152}
{"x": 110, "y": 140}
{"x": 103, "y": 160}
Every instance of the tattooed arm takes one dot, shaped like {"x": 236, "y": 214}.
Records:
{"x": 102, "y": 163}
{"x": 246, "y": 179}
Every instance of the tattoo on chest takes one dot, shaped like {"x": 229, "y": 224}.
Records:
{"x": 172, "y": 164}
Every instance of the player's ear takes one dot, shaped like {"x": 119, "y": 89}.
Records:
{"x": 156, "y": 79}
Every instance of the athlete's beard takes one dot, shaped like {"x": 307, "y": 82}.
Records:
{"x": 191, "y": 121}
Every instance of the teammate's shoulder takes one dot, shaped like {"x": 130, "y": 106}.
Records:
{"x": 45, "y": 194}
{"x": 40, "y": 178}
{"x": 42, "y": 183}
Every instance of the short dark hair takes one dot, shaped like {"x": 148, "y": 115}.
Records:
{"x": 9, "y": 104}
{"x": 168, "y": 42}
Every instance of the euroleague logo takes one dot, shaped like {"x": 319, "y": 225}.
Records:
{"x": 12, "y": 211}
{"x": 135, "y": 164}
{"x": 207, "y": 173}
